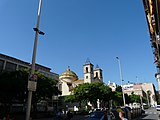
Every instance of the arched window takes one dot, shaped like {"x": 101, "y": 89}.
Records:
{"x": 96, "y": 74}
{"x": 86, "y": 69}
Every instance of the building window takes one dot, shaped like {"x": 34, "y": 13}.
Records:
{"x": 10, "y": 66}
{"x": 86, "y": 77}
{"x": 1, "y": 65}
{"x": 60, "y": 86}
{"x": 86, "y": 69}
{"x": 96, "y": 74}
{"x": 70, "y": 86}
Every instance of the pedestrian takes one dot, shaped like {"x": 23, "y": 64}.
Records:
{"x": 105, "y": 115}
{"x": 121, "y": 115}
{"x": 59, "y": 115}
{"x": 69, "y": 115}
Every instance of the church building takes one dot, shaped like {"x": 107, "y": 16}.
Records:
{"x": 69, "y": 79}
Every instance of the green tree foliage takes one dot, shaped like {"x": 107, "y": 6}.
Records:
{"x": 106, "y": 94}
{"x": 119, "y": 89}
{"x": 13, "y": 87}
{"x": 127, "y": 98}
{"x": 134, "y": 98}
{"x": 46, "y": 88}
{"x": 70, "y": 98}
{"x": 144, "y": 99}
{"x": 117, "y": 98}
{"x": 157, "y": 97}
{"x": 90, "y": 92}
{"x": 81, "y": 92}
{"x": 149, "y": 95}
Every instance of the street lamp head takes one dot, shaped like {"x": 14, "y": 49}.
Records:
{"x": 35, "y": 29}
{"x": 41, "y": 33}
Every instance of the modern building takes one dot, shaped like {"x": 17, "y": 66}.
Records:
{"x": 8, "y": 63}
{"x": 152, "y": 12}
{"x": 69, "y": 79}
{"x": 143, "y": 89}
{"x": 150, "y": 91}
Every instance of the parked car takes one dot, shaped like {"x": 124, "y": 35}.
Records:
{"x": 97, "y": 115}
{"x": 158, "y": 108}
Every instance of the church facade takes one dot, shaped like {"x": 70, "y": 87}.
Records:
{"x": 69, "y": 79}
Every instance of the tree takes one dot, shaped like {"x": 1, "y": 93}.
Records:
{"x": 127, "y": 98}
{"x": 81, "y": 93}
{"x": 157, "y": 97}
{"x": 13, "y": 88}
{"x": 106, "y": 94}
{"x": 119, "y": 89}
{"x": 117, "y": 98}
{"x": 90, "y": 92}
{"x": 134, "y": 98}
{"x": 149, "y": 96}
{"x": 46, "y": 88}
{"x": 70, "y": 98}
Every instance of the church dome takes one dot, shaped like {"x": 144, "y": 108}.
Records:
{"x": 68, "y": 76}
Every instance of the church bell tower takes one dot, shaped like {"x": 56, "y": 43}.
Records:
{"x": 88, "y": 72}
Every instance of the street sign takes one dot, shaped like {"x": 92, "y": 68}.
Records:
{"x": 32, "y": 82}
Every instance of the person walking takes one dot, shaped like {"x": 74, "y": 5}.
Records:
{"x": 105, "y": 116}
{"x": 121, "y": 115}
{"x": 69, "y": 115}
{"x": 59, "y": 115}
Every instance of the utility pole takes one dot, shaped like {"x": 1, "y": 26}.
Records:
{"x": 121, "y": 79}
{"x": 32, "y": 81}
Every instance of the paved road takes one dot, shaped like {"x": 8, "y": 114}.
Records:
{"x": 150, "y": 114}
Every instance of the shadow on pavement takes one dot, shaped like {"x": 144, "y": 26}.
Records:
{"x": 143, "y": 116}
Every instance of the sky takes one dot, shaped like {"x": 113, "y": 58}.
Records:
{"x": 75, "y": 30}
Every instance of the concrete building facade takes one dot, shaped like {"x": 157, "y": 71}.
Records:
{"x": 143, "y": 89}
{"x": 152, "y": 13}
{"x": 8, "y": 63}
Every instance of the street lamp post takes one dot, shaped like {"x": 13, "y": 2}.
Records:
{"x": 32, "y": 81}
{"x": 121, "y": 78}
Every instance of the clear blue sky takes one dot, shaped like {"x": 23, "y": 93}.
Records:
{"x": 76, "y": 30}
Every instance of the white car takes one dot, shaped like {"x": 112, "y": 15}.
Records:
{"x": 158, "y": 108}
